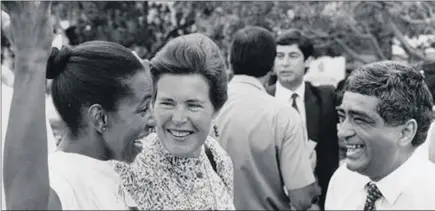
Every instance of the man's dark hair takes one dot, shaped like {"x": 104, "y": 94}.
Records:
{"x": 253, "y": 52}
{"x": 402, "y": 94}
{"x": 294, "y": 36}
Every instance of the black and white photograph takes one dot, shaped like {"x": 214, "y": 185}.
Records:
{"x": 218, "y": 105}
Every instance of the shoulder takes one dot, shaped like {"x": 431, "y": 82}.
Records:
{"x": 424, "y": 171}
{"x": 325, "y": 88}
{"x": 218, "y": 151}
{"x": 321, "y": 90}
{"x": 271, "y": 89}
{"x": 224, "y": 164}
{"x": 422, "y": 183}
{"x": 285, "y": 115}
{"x": 64, "y": 180}
{"x": 343, "y": 174}
{"x": 325, "y": 95}
{"x": 142, "y": 167}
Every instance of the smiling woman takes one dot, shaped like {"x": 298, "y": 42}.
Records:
{"x": 175, "y": 166}
{"x": 102, "y": 93}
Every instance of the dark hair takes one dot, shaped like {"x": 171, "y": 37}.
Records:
{"x": 193, "y": 54}
{"x": 72, "y": 35}
{"x": 402, "y": 94}
{"x": 294, "y": 36}
{"x": 91, "y": 73}
{"x": 253, "y": 52}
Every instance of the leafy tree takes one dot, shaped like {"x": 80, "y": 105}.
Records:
{"x": 362, "y": 31}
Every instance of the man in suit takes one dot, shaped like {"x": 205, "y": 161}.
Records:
{"x": 315, "y": 104}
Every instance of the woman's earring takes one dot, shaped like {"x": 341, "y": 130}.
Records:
{"x": 216, "y": 132}
{"x": 104, "y": 128}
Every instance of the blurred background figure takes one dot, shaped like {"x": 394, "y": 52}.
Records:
{"x": 315, "y": 104}
{"x": 263, "y": 136}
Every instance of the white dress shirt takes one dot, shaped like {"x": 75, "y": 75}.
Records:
{"x": 409, "y": 187}
{"x": 265, "y": 140}
{"x": 285, "y": 95}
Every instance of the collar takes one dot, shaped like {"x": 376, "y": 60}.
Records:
{"x": 394, "y": 184}
{"x": 287, "y": 93}
{"x": 248, "y": 80}
{"x": 185, "y": 167}
{"x": 178, "y": 161}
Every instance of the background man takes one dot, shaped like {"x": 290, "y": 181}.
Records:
{"x": 263, "y": 136}
{"x": 316, "y": 105}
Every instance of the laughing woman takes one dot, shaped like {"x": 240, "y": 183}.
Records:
{"x": 181, "y": 167}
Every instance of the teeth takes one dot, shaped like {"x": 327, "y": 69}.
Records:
{"x": 179, "y": 133}
{"x": 355, "y": 146}
{"x": 354, "y": 150}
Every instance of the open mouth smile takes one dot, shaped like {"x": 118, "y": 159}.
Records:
{"x": 180, "y": 134}
{"x": 354, "y": 149}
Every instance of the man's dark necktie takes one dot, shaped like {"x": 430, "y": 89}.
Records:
{"x": 294, "y": 105}
{"x": 373, "y": 194}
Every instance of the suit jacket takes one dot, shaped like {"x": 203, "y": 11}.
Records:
{"x": 321, "y": 120}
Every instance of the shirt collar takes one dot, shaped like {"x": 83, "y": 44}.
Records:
{"x": 248, "y": 80}
{"x": 281, "y": 90}
{"x": 394, "y": 183}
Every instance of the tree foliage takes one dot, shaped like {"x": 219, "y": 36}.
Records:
{"x": 362, "y": 31}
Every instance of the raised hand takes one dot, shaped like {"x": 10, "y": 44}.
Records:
{"x": 30, "y": 28}
{"x": 25, "y": 164}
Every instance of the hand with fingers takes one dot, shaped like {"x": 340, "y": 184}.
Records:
{"x": 28, "y": 26}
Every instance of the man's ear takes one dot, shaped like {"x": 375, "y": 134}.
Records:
{"x": 98, "y": 117}
{"x": 407, "y": 132}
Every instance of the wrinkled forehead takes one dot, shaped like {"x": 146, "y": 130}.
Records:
{"x": 356, "y": 102}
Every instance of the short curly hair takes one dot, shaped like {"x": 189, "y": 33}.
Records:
{"x": 402, "y": 92}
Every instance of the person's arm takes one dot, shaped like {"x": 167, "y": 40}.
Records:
{"x": 294, "y": 160}
{"x": 25, "y": 172}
